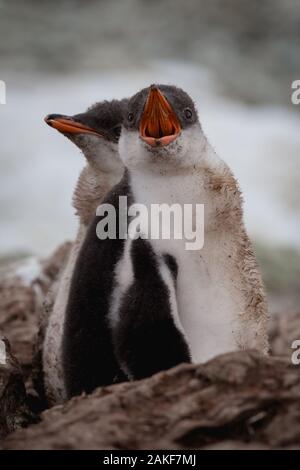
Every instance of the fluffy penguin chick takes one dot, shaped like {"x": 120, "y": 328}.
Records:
{"x": 219, "y": 292}
{"x": 96, "y": 133}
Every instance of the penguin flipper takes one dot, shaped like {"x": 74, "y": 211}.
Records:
{"x": 146, "y": 338}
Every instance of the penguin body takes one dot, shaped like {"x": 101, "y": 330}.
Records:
{"x": 220, "y": 296}
{"x": 212, "y": 280}
{"x": 88, "y": 359}
{"x": 96, "y": 133}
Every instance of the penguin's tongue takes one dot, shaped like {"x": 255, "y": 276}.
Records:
{"x": 159, "y": 124}
{"x": 67, "y": 125}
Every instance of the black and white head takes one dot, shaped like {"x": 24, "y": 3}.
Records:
{"x": 96, "y": 132}
{"x": 161, "y": 126}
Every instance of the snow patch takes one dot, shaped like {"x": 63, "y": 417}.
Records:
{"x": 29, "y": 271}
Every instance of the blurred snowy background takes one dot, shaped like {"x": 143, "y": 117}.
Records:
{"x": 236, "y": 58}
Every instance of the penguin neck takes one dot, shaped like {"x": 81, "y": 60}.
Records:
{"x": 101, "y": 154}
{"x": 107, "y": 162}
{"x": 178, "y": 184}
{"x": 210, "y": 183}
{"x": 92, "y": 186}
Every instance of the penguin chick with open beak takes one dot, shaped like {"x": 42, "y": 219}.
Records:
{"x": 219, "y": 292}
{"x": 96, "y": 132}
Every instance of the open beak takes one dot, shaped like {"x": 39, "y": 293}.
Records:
{"x": 68, "y": 125}
{"x": 159, "y": 124}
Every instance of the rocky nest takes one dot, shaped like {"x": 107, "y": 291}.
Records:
{"x": 238, "y": 400}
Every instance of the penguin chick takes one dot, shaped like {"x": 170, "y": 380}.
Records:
{"x": 219, "y": 292}
{"x": 96, "y": 132}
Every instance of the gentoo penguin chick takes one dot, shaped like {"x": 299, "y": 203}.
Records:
{"x": 219, "y": 292}
{"x": 96, "y": 132}
{"x": 145, "y": 305}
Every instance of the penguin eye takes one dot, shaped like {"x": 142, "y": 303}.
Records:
{"x": 130, "y": 117}
{"x": 188, "y": 113}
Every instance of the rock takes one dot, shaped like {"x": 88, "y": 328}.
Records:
{"x": 237, "y": 400}
{"x": 14, "y": 411}
{"x": 27, "y": 294}
{"x": 23, "y": 286}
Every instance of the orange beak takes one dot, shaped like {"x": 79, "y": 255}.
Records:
{"x": 159, "y": 123}
{"x": 66, "y": 125}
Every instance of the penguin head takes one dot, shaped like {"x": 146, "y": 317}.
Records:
{"x": 160, "y": 128}
{"x": 96, "y": 132}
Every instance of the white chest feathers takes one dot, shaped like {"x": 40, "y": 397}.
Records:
{"x": 211, "y": 291}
